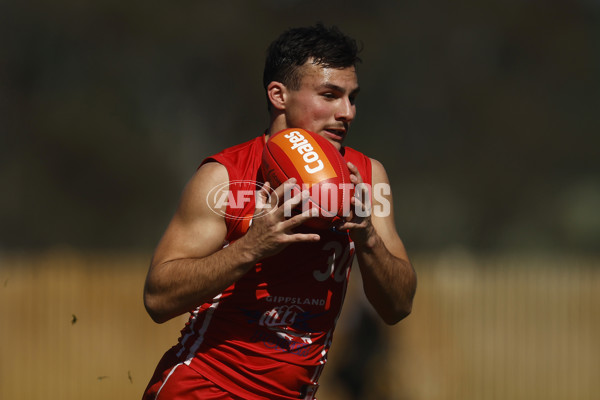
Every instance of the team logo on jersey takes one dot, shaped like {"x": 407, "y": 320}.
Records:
{"x": 287, "y": 322}
{"x": 281, "y": 321}
{"x": 281, "y": 316}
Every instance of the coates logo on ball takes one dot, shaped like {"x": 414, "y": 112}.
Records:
{"x": 319, "y": 169}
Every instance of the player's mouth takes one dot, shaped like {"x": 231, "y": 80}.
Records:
{"x": 336, "y": 134}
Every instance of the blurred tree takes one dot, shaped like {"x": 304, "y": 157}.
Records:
{"x": 483, "y": 113}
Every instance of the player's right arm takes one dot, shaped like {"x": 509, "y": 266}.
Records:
{"x": 190, "y": 266}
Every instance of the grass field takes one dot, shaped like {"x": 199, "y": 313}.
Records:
{"x": 73, "y": 327}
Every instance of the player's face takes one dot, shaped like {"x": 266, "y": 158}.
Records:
{"x": 325, "y": 102}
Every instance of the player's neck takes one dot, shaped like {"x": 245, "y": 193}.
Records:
{"x": 278, "y": 123}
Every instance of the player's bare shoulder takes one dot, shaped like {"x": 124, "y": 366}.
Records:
{"x": 194, "y": 199}
{"x": 195, "y": 230}
{"x": 378, "y": 172}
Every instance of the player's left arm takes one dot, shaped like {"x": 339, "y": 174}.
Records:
{"x": 389, "y": 279}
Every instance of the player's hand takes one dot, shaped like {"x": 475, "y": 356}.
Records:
{"x": 358, "y": 222}
{"x": 271, "y": 229}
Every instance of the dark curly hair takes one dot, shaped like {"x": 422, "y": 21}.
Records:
{"x": 327, "y": 46}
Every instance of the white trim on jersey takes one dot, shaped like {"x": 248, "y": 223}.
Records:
{"x": 207, "y": 318}
{"x": 166, "y": 379}
{"x": 328, "y": 338}
{"x": 191, "y": 332}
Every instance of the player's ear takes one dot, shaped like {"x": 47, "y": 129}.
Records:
{"x": 277, "y": 93}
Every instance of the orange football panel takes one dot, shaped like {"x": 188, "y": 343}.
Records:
{"x": 297, "y": 159}
{"x": 327, "y": 172}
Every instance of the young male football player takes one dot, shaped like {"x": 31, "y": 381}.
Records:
{"x": 265, "y": 293}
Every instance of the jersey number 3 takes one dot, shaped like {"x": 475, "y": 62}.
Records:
{"x": 338, "y": 263}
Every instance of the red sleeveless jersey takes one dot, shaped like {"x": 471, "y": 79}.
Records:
{"x": 267, "y": 336}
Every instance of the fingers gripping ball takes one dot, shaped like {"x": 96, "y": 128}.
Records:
{"x": 317, "y": 166}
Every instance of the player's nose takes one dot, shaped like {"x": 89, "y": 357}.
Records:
{"x": 346, "y": 110}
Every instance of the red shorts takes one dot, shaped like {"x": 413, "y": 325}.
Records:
{"x": 174, "y": 380}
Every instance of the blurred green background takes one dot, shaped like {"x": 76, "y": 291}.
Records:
{"x": 484, "y": 113}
